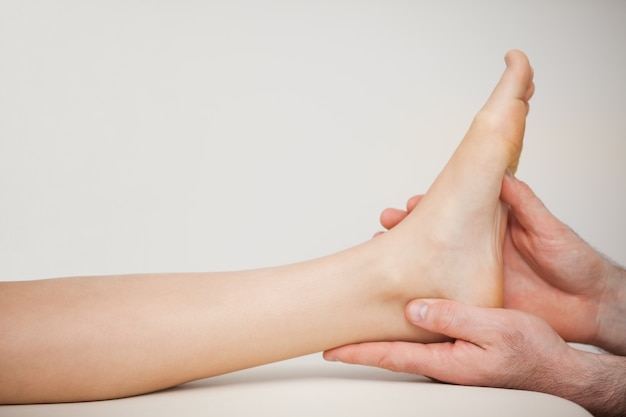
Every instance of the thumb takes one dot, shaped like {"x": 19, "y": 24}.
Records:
{"x": 451, "y": 318}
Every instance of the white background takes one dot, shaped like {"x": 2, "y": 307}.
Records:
{"x": 153, "y": 136}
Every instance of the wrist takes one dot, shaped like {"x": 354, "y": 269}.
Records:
{"x": 611, "y": 320}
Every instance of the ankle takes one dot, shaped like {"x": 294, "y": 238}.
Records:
{"x": 414, "y": 270}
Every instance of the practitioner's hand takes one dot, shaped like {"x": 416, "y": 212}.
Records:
{"x": 550, "y": 271}
{"x": 497, "y": 348}
{"x": 553, "y": 273}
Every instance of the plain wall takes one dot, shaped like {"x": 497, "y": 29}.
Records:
{"x": 153, "y": 136}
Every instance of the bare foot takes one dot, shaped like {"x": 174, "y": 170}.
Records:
{"x": 454, "y": 237}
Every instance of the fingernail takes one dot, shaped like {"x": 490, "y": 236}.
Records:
{"x": 330, "y": 358}
{"x": 417, "y": 311}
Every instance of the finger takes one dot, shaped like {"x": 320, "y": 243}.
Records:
{"x": 390, "y": 217}
{"x": 395, "y": 356}
{"x": 528, "y": 210}
{"x": 450, "y": 362}
{"x": 455, "y": 320}
{"x": 413, "y": 202}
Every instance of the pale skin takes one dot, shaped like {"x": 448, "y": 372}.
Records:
{"x": 89, "y": 338}
{"x": 564, "y": 290}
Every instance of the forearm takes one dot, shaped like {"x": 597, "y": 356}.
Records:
{"x": 611, "y": 334}
{"x": 598, "y": 385}
{"x": 592, "y": 380}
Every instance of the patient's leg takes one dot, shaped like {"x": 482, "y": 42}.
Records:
{"x": 90, "y": 338}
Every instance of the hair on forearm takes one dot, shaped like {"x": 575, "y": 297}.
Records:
{"x": 605, "y": 392}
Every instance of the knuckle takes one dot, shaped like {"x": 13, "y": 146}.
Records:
{"x": 389, "y": 360}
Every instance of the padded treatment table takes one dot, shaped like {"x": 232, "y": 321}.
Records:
{"x": 312, "y": 387}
